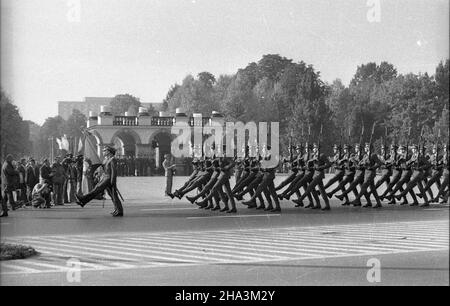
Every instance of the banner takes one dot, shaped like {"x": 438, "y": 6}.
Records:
{"x": 90, "y": 149}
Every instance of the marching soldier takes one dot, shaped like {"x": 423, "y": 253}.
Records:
{"x": 358, "y": 179}
{"x": 419, "y": 165}
{"x": 396, "y": 160}
{"x": 339, "y": 165}
{"x": 405, "y": 177}
{"x": 436, "y": 173}
{"x": 293, "y": 161}
{"x": 267, "y": 186}
{"x": 321, "y": 163}
{"x": 445, "y": 176}
{"x": 349, "y": 174}
{"x": 370, "y": 162}
{"x": 386, "y": 166}
{"x": 107, "y": 182}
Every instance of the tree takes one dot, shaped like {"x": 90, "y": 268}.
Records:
{"x": 14, "y": 131}
{"x": 122, "y": 102}
{"x": 75, "y": 123}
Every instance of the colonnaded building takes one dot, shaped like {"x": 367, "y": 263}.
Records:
{"x": 142, "y": 135}
{"x": 92, "y": 104}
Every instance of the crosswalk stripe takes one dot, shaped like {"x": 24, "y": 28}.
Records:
{"x": 257, "y": 249}
{"x": 94, "y": 251}
{"x": 16, "y": 266}
{"x": 312, "y": 246}
{"x": 160, "y": 249}
{"x": 155, "y": 245}
{"x": 192, "y": 252}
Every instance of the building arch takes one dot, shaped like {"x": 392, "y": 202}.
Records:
{"x": 125, "y": 141}
{"x": 161, "y": 140}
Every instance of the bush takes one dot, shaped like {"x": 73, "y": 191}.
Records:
{"x": 14, "y": 251}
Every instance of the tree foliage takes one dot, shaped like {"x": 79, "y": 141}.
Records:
{"x": 14, "y": 131}
{"x": 122, "y": 103}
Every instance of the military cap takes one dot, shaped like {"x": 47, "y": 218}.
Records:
{"x": 394, "y": 147}
{"x": 348, "y": 146}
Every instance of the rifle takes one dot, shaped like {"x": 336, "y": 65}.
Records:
{"x": 385, "y": 141}
{"x": 320, "y": 139}
{"x": 371, "y": 137}
{"x": 421, "y": 140}
{"x": 290, "y": 146}
{"x": 360, "y": 139}
{"x": 309, "y": 138}
{"x": 407, "y": 143}
{"x": 341, "y": 144}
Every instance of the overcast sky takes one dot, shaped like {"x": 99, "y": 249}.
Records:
{"x": 51, "y": 53}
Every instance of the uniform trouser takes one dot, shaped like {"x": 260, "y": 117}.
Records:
{"x": 222, "y": 181}
{"x": 244, "y": 182}
{"x": 7, "y": 195}
{"x": 265, "y": 184}
{"x": 317, "y": 180}
{"x": 71, "y": 190}
{"x": 237, "y": 175}
{"x": 58, "y": 193}
{"x": 66, "y": 191}
{"x": 243, "y": 175}
{"x": 444, "y": 184}
{"x": 404, "y": 179}
{"x": 22, "y": 197}
{"x": 435, "y": 178}
{"x": 292, "y": 188}
{"x": 208, "y": 185}
{"x": 338, "y": 176}
{"x": 416, "y": 180}
{"x": 189, "y": 180}
{"x": 369, "y": 182}
{"x": 303, "y": 182}
{"x": 194, "y": 176}
{"x": 104, "y": 184}
{"x": 357, "y": 180}
{"x": 253, "y": 184}
{"x": 347, "y": 179}
{"x": 79, "y": 186}
{"x": 288, "y": 180}
{"x": 169, "y": 181}
{"x": 396, "y": 175}
{"x": 385, "y": 178}
{"x": 29, "y": 192}
{"x": 201, "y": 181}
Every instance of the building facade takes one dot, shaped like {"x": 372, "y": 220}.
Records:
{"x": 92, "y": 104}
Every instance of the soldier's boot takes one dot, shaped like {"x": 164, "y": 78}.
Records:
{"x": 415, "y": 202}
{"x": 298, "y": 203}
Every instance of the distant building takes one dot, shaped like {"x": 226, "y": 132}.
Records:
{"x": 65, "y": 108}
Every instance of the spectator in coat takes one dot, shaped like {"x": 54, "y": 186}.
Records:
{"x": 59, "y": 176}
{"x": 31, "y": 179}
{"x": 8, "y": 177}
{"x": 45, "y": 176}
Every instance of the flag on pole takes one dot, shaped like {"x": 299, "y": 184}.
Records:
{"x": 90, "y": 149}
{"x": 80, "y": 146}
{"x": 59, "y": 142}
{"x": 65, "y": 143}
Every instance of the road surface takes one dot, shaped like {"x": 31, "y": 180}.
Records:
{"x": 161, "y": 241}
